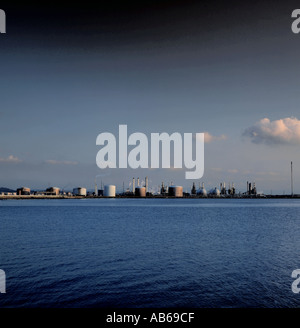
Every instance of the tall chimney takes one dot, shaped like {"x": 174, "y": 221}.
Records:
{"x": 133, "y": 185}
{"x": 292, "y": 187}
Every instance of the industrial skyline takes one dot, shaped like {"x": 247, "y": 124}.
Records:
{"x": 228, "y": 69}
{"x": 125, "y": 182}
{"x": 140, "y": 188}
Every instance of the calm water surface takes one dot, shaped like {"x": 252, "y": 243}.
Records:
{"x": 149, "y": 252}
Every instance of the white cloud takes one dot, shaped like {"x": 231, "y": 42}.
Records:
{"x": 10, "y": 159}
{"x": 55, "y": 162}
{"x": 282, "y": 131}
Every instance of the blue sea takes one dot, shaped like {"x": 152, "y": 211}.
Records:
{"x": 146, "y": 253}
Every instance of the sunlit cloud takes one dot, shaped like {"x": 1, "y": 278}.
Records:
{"x": 210, "y": 138}
{"x": 268, "y": 173}
{"x": 233, "y": 171}
{"x": 219, "y": 169}
{"x": 282, "y": 131}
{"x": 10, "y": 159}
{"x": 216, "y": 169}
{"x": 55, "y": 162}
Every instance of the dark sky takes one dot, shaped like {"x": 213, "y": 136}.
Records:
{"x": 72, "y": 71}
{"x": 143, "y": 21}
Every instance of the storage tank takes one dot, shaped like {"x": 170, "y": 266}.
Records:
{"x": 202, "y": 192}
{"x": 23, "y": 191}
{"x": 109, "y": 191}
{"x": 79, "y": 191}
{"x": 215, "y": 192}
{"x": 140, "y": 191}
{"x": 53, "y": 191}
{"x": 176, "y": 191}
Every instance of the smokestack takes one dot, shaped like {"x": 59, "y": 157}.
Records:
{"x": 292, "y": 187}
{"x": 247, "y": 187}
{"x": 138, "y": 182}
{"x": 146, "y": 184}
{"x": 96, "y": 189}
{"x": 133, "y": 185}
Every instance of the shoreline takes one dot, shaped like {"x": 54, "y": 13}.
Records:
{"x": 24, "y": 197}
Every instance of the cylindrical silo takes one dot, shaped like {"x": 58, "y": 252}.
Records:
{"x": 176, "y": 191}
{"x": 109, "y": 191}
{"x": 79, "y": 191}
{"x": 140, "y": 191}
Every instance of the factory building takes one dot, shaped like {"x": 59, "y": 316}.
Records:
{"x": 194, "y": 191}
{"x": 23, "y": 191}
{"x": 231, "y": 190}
{"x": 163, "y": 189}
{"x": 223, "y": 188}
{"x": 109, "y": 191}
{"x": 140, "y": 191}
{"x": 176, "y": 191}
{"x": 8, "y": 194}
{"x": 251, "y": 189}
{"x": 79, "y": 191}
{"x": 54, "y": 191}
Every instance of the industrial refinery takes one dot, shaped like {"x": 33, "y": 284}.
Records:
{"x": 140, "y": 189}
